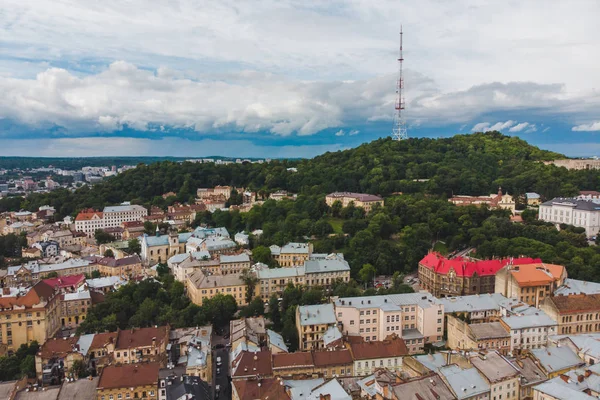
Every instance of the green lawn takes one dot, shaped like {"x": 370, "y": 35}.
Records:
{"x": 336, "y": 224}
{"x": 440, "y": 248}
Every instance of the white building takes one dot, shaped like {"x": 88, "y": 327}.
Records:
{"x": 579, "y": 213}
{"x": 530, "y": 330}
{"x": 89, "y": 221}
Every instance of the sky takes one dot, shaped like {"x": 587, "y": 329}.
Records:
{"x": 292, "y": 78}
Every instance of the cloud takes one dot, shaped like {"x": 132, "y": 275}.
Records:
{"x": 500, "y": 126}
{"x": 592, "y": 127}
{"x": 531, "y": 128}
{"x": 519, "y": 127}
{"x": 340, "y": 133}
{"x": 353, "y": 132}
{"x": 481, "y": 127}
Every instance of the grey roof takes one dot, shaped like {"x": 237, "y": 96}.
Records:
{"x": 474, "y": 303}
{"x": 276, "y": 340}
{"x": 408, "y": 334}
{"x": 105, "y": 281}
{"x": 79, "y": 389}
{"x": 276, "y": 273}
{"x": 331, "y": 388}
{"x": 531, "y": 373}
{"x": 331, "y": 335}
{"x": 325, "y": 265}
{"x": 537, "y": 319}
{"x": 389, "y": 302}
{"x": 532, "y": 195}
{"x": 319, "y": 314}
{"x": 587, "y": 343}
{"x": 574, "y": 286}
{"x": 190, "y": 385}
{"x": 432, "y": 361}
{"x": 131, "y": 207}
{"x": 238, "y": 258}
{"x": 36, "y": 268}
{"x": 558, "y": 391}
{"x": 494, "y": 366}
{"x": 556, "y": 358}
{"x": 489, "y": 330}
{"x": 583, "y": 205}
{"x": 578, "y": 381}
{"x": 464, "y": 382}
{"x": 295, "y": 248}
{"x": 84, "y": 343}
{"x": 300, "y": 388}
{"x": 430, "y": 387}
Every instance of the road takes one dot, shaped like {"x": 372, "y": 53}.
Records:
{"x": 222, "y": 379}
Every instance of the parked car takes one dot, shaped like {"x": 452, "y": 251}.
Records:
{"x": 218, "y": 361}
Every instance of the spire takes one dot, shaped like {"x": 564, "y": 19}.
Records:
{"x": 399, "y": 129}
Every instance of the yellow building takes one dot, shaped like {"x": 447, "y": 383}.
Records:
{"x": 141, "y": 345}
{"x": 576, "y": 313}
{"x": 312, "y": 322}
{"x": 530, "y": 283}
{"x": 366, "y": 201}
{"x": 75, "y": 306}
{"x": 128, "y": 266}
{"x": 129, "y": 381}
{"x": 291, "y": 254}
{"x": 28, "y": 315}
{"x": 201, "y": 287}
{"x": 478, "y": 336}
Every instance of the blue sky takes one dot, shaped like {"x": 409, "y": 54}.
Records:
{"x": 270, "y": 78}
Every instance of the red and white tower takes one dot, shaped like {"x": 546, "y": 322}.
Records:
{"x": 399, "y": 129}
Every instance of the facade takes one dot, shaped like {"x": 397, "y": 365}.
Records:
{"x": 133, "y": 381}
{"x": 128, "y": 266}
{"x": 418, "y": 318}
{"x": 462, "y": 276}
{"x": 530, "y": 283}
{"x": 578, "y": 163}
{"x": 530, "y": 330}
{"x": 577, "y": 313}
{"x": 366, "y": 201}
{"x": 498, "y": 201}
{"x": 75, "y": 306}
{"x": 28, "y": 314}
{"x": 140, "y": 345}
{"x": 233, "y": 264}
{"x": 201, "y": 287}
{"x": 589, "y": 195}
{"x": 580, "y": 213}
{"x": 500, "y": 374}
{"x": 373, "y": 355}
{"x": 312, "y": 322}
{"x": 275, "y": 280}
{"x": 325, "y": 271}
{"x": 533, "y": 199}
{"x": 476, "y": 337}
{"x": 48, "y": 248}
{"x": 31, "y": 272}
{"x": 292, "y": 254}
{"x": 89, "y": 221}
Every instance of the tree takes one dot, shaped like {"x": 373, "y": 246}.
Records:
{"x": 78, "y": 369}
{"x": 134, "y": 246}
{"x": 367, "y": 273}
{"x": 275, "y": 312}
{"x": 255, "y": 308}
{"x": 251, "y": 280}
{"x": 109, "y": 253}
{"x": 52, "y": 274}
{"x": 103, "y": 237}
{"x": 162, "y": 269}
{"x": 261, "y": 254}
{"x": 96, "y": 274}
{"x": 149, "y": 228}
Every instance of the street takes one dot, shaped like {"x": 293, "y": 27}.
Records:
{"x": 222, "y": 380}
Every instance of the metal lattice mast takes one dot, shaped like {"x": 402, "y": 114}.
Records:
{"x": 399, "y": 130}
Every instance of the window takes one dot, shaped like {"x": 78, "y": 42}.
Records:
{"x": 110, "y": 397}
{"x": 351, "y": 322}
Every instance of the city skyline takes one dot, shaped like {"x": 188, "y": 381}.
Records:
{"x": 278, "y": 79}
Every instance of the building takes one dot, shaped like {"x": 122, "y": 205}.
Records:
{"x": 125, "y": 267}
{"x": 233, "y": 264}
{"x": 429, "y": 387}
{"x": 556, "y": 360}
{"x": 462, "y": 276}
{"x": 494, "y": 201}
{"x": 476, "y": 308}
{"x": 184, "y": 387}
{"x": 366, "y": 201}
{"x": 269, "y": 388}
{"x": 48, "y": 248}
{"x": 588, "y": 195}
{"x": 251, "y": 365}
{"x": 89, "y": 220}
{"x": 55, "y": 357}
{"x": 577, "y": 313}
{"x": 325, "y": 363}
{"x": 275, "y": 280}
{"x": 478, "y": 336}
{"x": 75, "y": 306}
{"x": 529, "y": 330}
{"x": 28, "y": 314}
{"x": 192, "y": 349}
{"x": 555, "y": 390}
{"x": 31, "y": 272}
{"x": 132, "y": 229}
{"x": 533, "y": 199}
{"x": 586, "y": 345}
{"x": 142, "y": 345}
{"x": 276, "y": 343}
{"x": 312, "y": 322}
{"x": 201, "y": 287}
{"x": 418, "y": 318}
{"x": 530, "y": 283}
{"x": 499, "y": 373}
{"x": 68, "y": 283}
{"x": 580, "y": 213}
{"x": 378, "y": 354}
{"x": 247, "y": 333}
{"x": 325, "y": 271}
{"x": 128, "y": 381}
{"x": 291, "y": 254}
{"x": 105, "y": 284}
{"x": 574, "y": 286}
{"x": 577, "y": 163}
{"x": 466, "y": 384}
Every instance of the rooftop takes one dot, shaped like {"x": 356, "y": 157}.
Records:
{"x": 576, "y": 204}
{"x": 574, "y": 286}
{"x": 140, "y": 337}
{"x": 269, "y": 388}
{"x": 129, "y": 375}
{"x": 238, "y": 258}
{"x": 79, "y": 389}
{"x": 277, "y": 273}
{"x": 429, "y": 387}
{"x": 554, "y": 359}
{"x": 275, "y": 339}
{"x": 558, "y": 391}
{"x": 124, "y": 208}
{"x": 389, "y": 302}
{"x": 537, "y": 319}
{"x": 537, "y": 274}
{"x": 363, "y": 197}
{"x": 321, "y": 314}
{"x": 251, "y": 364}
{"x": 464, "y": 382}
{"x": 332, "y": 388}
{"x": 468, "y": 267}
{"x": 390, "y": 347}
{"x": 488, "y": 330}
{"x": 315, "y": 266}
{"x": 494, "y": 366}
{"x": 202, "y": 281}
{"x": 576, "y": 303}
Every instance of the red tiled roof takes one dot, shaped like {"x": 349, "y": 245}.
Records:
{"x": 34, "y": 296}
{"x": 576, "y": 303}
{"x": 66, "y": 281}
{"x": 120, "y": 262}
{"x": 329, "y": 358}
{"x": 58, "y": 347}
{"x": 102, "y": 339}
{"x": 270, "y": 388}
{"x": 537, "y": 274}
{"x": 288, "y": 360}
{"x": 140, "y": 337}
{"x": 97, "y": 297}
{"x": 132, "y": 224}
{"x": 86, "y": 215}
{"x": 466, "y": 267}
{"x": 252, "y": 364}
{"x": 392, "y": 347}
{"x": 129, "y": 375}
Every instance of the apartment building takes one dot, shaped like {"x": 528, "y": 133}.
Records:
{"x": 366, "y": 201}
{"x": 325, "y": 271}
{"x": 291, "y": 254}
{"x": 233, "y": 264}
{"x": 495, "y": 201}
{"x": 581, "y": 213}
{"x": 499, "y": 373}
{"x": 31, "y": 272}
{"x": 142, "y": 345}
{"x": 373, "y": 355}
{"x": 462, "y": 276}
{"x": 530, "y": 283}
{"x": 478, "y": 336}
{"x": 90, "y": 220}
{"x": 75, "y": 306}
{"x": 201, "y": 287}
{"x": 477, "y": 308}
{"x": 529, "y": 330}
{"x": 275, "y": 280}
{"x": 312, "y": 322}
{"x": 555, "y": 361}
{"x": 325, "y": 363}
{"x": 418, "y": 318}
{"x": 128, "y": 381}
{"x": 577, "y": 313}
{"x": 28, "y": 314}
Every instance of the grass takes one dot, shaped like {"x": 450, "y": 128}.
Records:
{"x": 441, "y": 248}
{"x": 336, "y": 224}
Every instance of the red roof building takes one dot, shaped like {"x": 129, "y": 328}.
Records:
{"x": 462, "y": 276}
{"x": 67, "y": 283}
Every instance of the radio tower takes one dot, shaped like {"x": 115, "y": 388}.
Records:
{"x": 399, "y": 130}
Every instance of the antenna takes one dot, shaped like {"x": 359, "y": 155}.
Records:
{"x": 399, "y": 129}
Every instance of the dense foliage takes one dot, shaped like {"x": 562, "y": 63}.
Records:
{"x": 21, "y": 363}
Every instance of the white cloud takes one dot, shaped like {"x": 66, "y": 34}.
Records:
{"x": 546, "y": 129}
{"x": 481, "y": 127}
{"x": 353, "y": 132}
{"x": 500, "y": 126}
{"x": 340, "y": 133}
{"x": 519, "y": 127}
{"x": 531, "y": 128}
{"x": 592, "y": 127}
